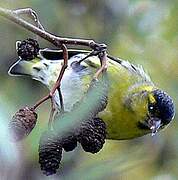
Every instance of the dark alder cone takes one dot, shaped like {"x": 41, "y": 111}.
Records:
{"x": 22, "y": 123}
{"x": 92, "y": 135}
{"x": 28, "y": 49}
{"x": 69, "y": 143}
{"x": 50, "y": 153}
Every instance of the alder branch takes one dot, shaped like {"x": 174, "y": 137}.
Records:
{"x": 56, "y": 40}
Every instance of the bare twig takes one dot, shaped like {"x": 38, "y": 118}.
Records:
{"x": 31, "y": 14}
{"x": 41, "y": 101}
{"x": 65, "y": 57}
{"x": 52, "y": 113}
{"x": 56, "y": 40}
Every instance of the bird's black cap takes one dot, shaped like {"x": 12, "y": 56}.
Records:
{"x": 164, "y": 106}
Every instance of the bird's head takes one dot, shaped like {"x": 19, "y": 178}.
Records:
{"x": 160, "y": 110}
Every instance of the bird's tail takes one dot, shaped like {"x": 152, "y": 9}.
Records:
{"x": 23, "y": 67}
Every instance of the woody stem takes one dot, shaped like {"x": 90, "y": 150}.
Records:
{"x": 56, "y": 40}
{"x": 58, "y": 82}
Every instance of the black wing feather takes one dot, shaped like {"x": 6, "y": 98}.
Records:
{"x": 53, "y": 54}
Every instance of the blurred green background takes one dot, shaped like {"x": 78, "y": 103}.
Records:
{"x": 144, "y": 32}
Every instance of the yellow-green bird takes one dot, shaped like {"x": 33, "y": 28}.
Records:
{"x": 135, "y": 105}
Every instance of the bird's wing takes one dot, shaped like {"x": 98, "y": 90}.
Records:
{"x": 117, "y": 63}
{"x": 53, "y": 54}
{"x": 135, "y": 69}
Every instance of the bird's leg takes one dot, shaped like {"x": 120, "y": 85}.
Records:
{"x": 103, "y": 59}
{"x": 97, "y": 50}
{"x": 31, "y": 14}
{"x": 92, "y": 53}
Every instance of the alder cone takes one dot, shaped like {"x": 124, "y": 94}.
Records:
{"x": 69, "y": 143}
{"x": 22, "y": 123}
{"x": 92, "y": 135}
{"x": 50, "y": 153}
{"x": 28, "y": 49}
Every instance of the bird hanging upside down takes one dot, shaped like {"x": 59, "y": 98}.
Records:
{"x": 135, "y": 105}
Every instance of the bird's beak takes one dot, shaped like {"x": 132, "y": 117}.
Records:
{"x": 22, "y": 67}
{"x": 154, "y": 124}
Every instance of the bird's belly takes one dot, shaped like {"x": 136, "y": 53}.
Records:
{"x": 72, "y": 89}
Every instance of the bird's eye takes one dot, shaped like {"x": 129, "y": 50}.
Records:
{"x": 151, "y": 108}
